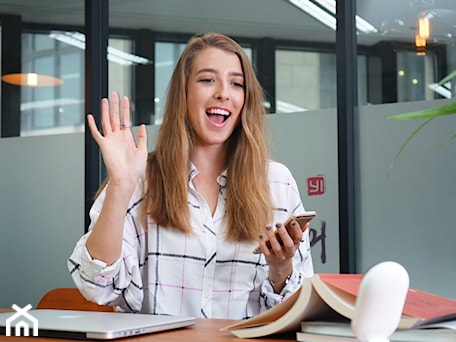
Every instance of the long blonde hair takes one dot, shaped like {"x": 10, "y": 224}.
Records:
{"x": 248, "y": 200}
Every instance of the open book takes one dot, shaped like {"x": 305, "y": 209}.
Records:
{"x": 331, "y": 297}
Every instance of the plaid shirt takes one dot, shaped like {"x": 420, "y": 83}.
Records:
{"x": 164, "y": 271}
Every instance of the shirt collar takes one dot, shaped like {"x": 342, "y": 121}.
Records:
{"x": 221, "y": 179}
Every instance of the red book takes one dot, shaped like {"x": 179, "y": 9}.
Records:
{"x": 419, "y": 305}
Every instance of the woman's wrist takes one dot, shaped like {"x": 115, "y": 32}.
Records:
{"x": 278, "y": 286}
{"x": 279, "y": 277}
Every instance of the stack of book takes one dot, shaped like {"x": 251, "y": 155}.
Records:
{"x": 322, "y": 308}
{"x": 321, "y": 331}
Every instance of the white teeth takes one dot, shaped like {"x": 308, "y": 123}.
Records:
{"x": 218, "y": 111}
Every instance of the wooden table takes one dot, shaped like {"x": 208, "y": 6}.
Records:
{"x": 204, "y": 330}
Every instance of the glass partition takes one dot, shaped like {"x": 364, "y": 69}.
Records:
{"x": 410, "y": 49}
{"x": 54, "y": 108}
{"x": 405, "y": 168}
{"x": 289, "y": 49}
{"x": 42, "y": 88}
{"x": 405, "y": 49}
{"x": 153, "y": 33}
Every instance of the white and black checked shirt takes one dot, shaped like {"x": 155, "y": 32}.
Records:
{"x": 164, "y": 271}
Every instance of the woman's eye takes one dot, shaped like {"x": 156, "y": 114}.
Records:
{"x": 206, "y": 80}
{"x": 238, "y": 84}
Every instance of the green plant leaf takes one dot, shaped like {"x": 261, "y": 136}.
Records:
{"x": 401, "y": 148}
{"x": 446, "y": 141}
{"x": 442, "y": 110}
{"x": 447, "y": 78}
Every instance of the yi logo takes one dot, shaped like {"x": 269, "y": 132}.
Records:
{"x": 23, "y": 320}
{"x": 316, "y": 185}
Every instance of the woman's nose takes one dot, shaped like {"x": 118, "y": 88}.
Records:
{"x": 222, "y": 92}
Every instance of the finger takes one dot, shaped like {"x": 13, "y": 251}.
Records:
{"x": 93, "y": 128}
{"x": 275, "y": 238}
{"x": 142, "y": 137}
{"x": 295, "y": 231}
{"x": 284, "y": 238}
{"x": 105, "y": 120}
{"x": 114, "y": 112}
{"x": 270, "y": 238}
{"x": 263, "y": 244}
{"x": 125, "y": 120}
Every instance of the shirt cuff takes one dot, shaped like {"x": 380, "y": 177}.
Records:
{"x": 98, "y": 270}
{"x": 290, "y": 287}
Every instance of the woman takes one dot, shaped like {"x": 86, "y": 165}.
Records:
{"x": 172, "y": 232}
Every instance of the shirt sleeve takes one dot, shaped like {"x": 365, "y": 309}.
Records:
{"x": 287, "y": 199}
{"x": 119, "y": 284}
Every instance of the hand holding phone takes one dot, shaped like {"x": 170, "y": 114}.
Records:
{"x": 302, "y": 219}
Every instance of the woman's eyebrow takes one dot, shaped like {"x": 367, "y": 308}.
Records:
{"x": 237, "y": 74}
{"x": 210, "y": 70}
{"x": 213, "y": 71}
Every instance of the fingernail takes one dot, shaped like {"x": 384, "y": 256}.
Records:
{"x": 294, "y": 223}
{"x": 268, "y": 227}
{"x": 278, "y": 225}
{"x": 260, "y": 237}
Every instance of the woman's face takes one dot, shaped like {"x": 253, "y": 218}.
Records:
{"x": 215, "y": 95}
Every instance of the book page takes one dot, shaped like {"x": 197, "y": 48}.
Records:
{"x": 340, "y": 298}
{"x": 346, "y": 282}
{"x": 304, "y": 304}
{"x": 270, "y": 315}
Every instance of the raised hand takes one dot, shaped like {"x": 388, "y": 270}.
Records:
{"x": 125, "y": 159}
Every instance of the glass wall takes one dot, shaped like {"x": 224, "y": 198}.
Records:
{"x": 293, "y": 51}
{"x": 52, "y": 109}
{"x": 295, "y": 71}
{"x": 305, "y": 81}
{"x": 410, "y": 49}
{"x": 42, "y": 88}
{"x": 405, "y": 168}
{"x": 403, "y": 54}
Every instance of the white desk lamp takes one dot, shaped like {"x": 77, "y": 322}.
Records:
{"x": 380, "y": 302}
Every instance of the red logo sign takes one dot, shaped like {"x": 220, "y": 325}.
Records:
{"x": 316, "y": 185}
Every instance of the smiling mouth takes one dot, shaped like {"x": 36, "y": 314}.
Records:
{"x": 218, "y": 115}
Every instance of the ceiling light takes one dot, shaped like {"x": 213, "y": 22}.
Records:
{"x": 115, "y": 55}
{"x": 31, "y": 80}
{"x": 420, "y": 42}
{"x": 424, "y": 30}
{"x": 443, "y": 90}
{"x": 319, "y": 10}
{"x": 361, "y": 24}
{"x": 316, "y": 12}
{"x": 423, "y": 33}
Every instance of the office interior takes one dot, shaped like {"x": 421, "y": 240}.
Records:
{"x": 334, "y": 74}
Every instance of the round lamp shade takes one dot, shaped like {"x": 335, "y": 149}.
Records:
{"x": 31, "y": 80}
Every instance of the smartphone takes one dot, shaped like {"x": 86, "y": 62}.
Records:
{"x": 302, "y": 219}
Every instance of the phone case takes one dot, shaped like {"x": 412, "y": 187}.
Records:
{"x": 302, "y": 219}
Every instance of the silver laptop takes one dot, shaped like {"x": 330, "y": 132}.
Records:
{"x": 88, "y": 324}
